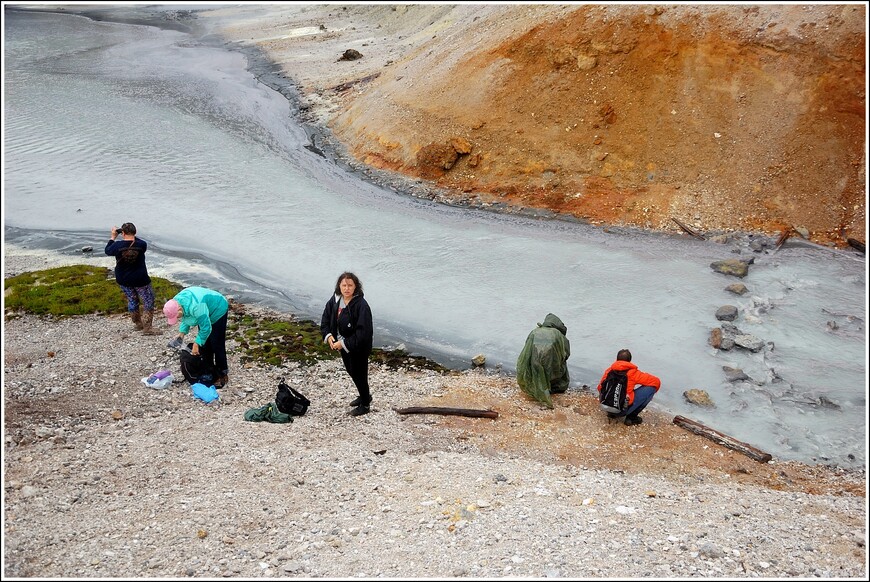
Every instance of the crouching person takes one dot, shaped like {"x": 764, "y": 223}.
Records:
{"x": 542, "y": 367}
{"x": 624, "y": 391}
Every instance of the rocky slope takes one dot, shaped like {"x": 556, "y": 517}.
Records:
{"x": 725, "y": 117}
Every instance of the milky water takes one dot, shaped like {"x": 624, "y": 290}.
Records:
{"x": 106, "y": 123}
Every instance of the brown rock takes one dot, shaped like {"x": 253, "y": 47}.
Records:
{"x": 586, "y": 62}
{"x": 699, "y": 397}
{"x": 715, "y": 337}
{"x": 350, "y": 55}
{"x": 461, "y": 145}
{"x": 435, "y": 158}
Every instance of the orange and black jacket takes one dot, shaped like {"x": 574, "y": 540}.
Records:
{"x": 635, "y": 377}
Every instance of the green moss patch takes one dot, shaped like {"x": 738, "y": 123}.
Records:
{"x": 84, "y": 290}
{"x": 74, "y": 290}
{"x": 276, "y": 341}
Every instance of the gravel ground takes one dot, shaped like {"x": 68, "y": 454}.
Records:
{"x": 104, "y": 477}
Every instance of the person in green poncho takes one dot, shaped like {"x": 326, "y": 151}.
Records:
{"x": 542, "y": 367}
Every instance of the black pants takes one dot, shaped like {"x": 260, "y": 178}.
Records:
{"x": 357, "y": 365}
{"x": 215, "y": 348}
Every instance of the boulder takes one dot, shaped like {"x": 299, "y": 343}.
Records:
{"x": 435, "y": 158}
{"x": 733, "y": 267}
{"x": 586, "y": 62}
{"x": 734, "y": 374}
{"x": 737, "y": 288}
{"x": 749, "y": 342}
{"x": 350, "y": 55}
{"x": 715, "y": 337}
{"x": 698, "y": 397}
{"x": 461, "y": 145}
{"x": 726, "y": 313}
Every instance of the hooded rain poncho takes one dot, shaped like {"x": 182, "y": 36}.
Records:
{"x": 543, "y": 363}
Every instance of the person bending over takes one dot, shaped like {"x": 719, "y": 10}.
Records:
{"x": 207, "y": 310}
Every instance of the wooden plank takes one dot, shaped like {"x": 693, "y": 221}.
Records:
{"x": 448, "y": 411}
{"x": 722, "y": 439}
{"x": 686, "y": 228}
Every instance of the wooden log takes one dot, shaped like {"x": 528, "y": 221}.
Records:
{"x": 722, "y": 439}
{"x": 857, "y": 245}
{"x": 448, "y": 411}
{"x": 691, "y": 231}
{"x": 783, "y": 236}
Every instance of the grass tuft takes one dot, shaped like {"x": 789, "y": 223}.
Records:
{"x": 74, "y": 290}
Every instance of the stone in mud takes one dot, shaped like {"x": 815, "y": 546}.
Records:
{"x": 732, "y": 267}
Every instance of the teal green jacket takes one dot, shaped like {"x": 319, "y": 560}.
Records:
{"x": 202, "y": 307}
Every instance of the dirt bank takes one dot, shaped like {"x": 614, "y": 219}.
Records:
{"x": 725, "y": 117}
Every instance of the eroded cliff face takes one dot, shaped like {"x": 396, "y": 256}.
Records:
{"x": 726, "y": 117}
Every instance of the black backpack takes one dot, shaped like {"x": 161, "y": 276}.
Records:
{"x": 195, "y": 370}
{"x": 290, "y": 401}
{"x": 613, "y": 394}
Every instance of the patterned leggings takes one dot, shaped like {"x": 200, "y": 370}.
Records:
{"x": 135, "y": 294}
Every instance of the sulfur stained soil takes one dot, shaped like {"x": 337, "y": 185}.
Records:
{"x": 576, "y": 433}
{"x": 727, "y": 118}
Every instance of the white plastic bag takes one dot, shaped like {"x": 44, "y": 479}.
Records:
{"x": 158, "y": 383}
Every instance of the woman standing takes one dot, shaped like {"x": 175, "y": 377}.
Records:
{"x": 132, "y": 275}
{"x": 346, "y": 326}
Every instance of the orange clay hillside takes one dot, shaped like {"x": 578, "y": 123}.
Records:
{"x": 724, "y": 117}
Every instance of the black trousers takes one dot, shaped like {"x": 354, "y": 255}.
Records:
{"x": 215, "y": 348}
{"x": 357, "y": 365}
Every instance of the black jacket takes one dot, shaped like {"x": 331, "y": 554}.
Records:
{"x": 354, "y": 324}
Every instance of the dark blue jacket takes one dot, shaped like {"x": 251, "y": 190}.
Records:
{"x": 130, "y": 270}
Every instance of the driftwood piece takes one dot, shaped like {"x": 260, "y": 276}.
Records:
{"x": 783, "y": 236}
{"x": 689, "y": 230}
{"x": 857, "y": 245}
{"x": 448, "y": 411}
{"x": 722, "y": 439}
{"x": 349, "y": 84}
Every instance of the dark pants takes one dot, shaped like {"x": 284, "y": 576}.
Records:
{"x": 357, "y": 365}
{"x": 643, "y": 395}
{"x": 215, "y": 348}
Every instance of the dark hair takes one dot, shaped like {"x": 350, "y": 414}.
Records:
{"x": 624, "y": 355}
{"x": 352, "y": 277}
{"x": 128, "y": 228}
